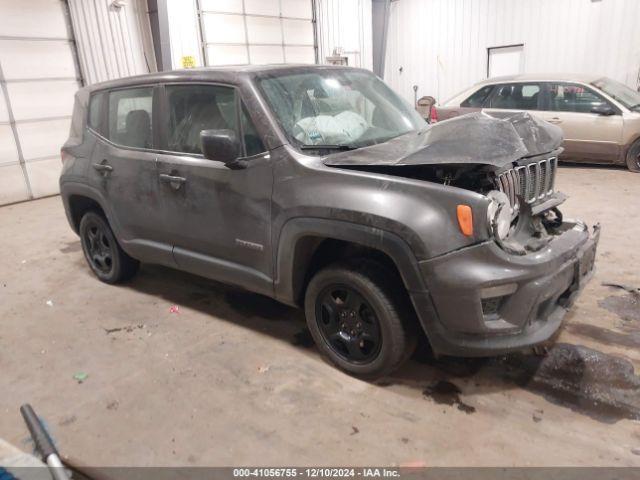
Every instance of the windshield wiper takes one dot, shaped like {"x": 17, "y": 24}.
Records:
{"x": 328, "y": 147}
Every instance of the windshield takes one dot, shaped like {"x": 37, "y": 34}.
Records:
{"x": 337, "y": 108}
{"x": 620, "y": 92}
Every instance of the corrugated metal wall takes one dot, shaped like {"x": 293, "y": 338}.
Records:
{"x": 113, "y": 38}
{"x": 441, "y": 45}
{"x": 345, "y": 24}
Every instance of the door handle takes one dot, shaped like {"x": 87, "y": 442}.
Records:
{"x": 103, "y": 167}
{"x": 174, "y": 181}
{"x": 554, "y": 120}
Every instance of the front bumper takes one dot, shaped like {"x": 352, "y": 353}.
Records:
{"x": 484, "y": 301}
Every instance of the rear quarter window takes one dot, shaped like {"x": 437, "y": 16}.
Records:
{"x": 96, "y": 111}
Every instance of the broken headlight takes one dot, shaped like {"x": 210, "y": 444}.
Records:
{"x": 499, "y": 214}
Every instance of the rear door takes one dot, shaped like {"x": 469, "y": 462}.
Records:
{"x": 219, "y": 218}
{"x": 124, "y": 169}
{"x": 587, "y": 136}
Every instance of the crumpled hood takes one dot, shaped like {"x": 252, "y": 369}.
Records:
{"x": 476, "y": 138}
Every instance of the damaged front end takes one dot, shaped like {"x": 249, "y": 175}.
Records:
{"x": 512, "y": 160}
{"x": 511, "y": 288}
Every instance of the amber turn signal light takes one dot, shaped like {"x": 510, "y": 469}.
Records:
{"x": 465, "y": 219}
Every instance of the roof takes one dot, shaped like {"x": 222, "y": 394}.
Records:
{"x": 538, "y": 77}
{"x": 232, "y": 74}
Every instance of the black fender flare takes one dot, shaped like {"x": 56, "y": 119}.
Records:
{"x": 288, "y": 270}
{"x": 71, "y": 189}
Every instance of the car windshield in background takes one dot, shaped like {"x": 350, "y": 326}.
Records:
{"x": 338, "y": 109}
{"x": 620, "y": 92}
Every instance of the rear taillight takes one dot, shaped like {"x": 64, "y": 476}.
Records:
{"x": 433, "y": 115}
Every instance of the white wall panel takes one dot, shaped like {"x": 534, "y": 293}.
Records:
{"x": 264, "y": 30}
{"x": 4, "y": 114}
{"x": 441, "y": 45}
{"x": 37, "y": 59}
{"x": 32, "y": 18}
{"x": 242, "y": 32}
{"x": 223, "y": 28}
{"x": 262, "y": 54}
{"x": 39, "y": 78}
{"x": 297, "y": 8}
{"x": 12, "y": 186}
{"x": 297, "y": 32}
{"x": 8, "y": 151}
{"x": 44, "y": 99}
{"x": 299, "y": 54}
{"x": 222, "y": 5}
{"x": 227, "y": 54}
{"x": 44, "y": 175}
{"x": 43, "y": 138}
{"x": 262, "y": 7}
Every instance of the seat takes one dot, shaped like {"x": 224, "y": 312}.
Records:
{"x": 137, "y": 129}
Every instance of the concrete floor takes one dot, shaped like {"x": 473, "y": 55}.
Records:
{"x": 230, "y": 379}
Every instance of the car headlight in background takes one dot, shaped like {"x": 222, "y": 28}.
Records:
{"x": 499, "y": 214}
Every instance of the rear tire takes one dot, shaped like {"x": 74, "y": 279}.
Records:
{"x": 358, "y": 318}
{"x": 103, "y": 253}
{"x": 633, "y": 157}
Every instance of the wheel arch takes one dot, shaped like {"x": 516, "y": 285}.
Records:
{"x": 307, "y": 244}
{"x": 79, "y": 199}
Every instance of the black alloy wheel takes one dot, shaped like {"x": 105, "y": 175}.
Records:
{"x": 100, "y": 251}
{"x": 360, "y": 318}
{"x": 348, "y": 324}
{"x": 104, "y": 255}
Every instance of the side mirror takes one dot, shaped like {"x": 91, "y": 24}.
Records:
{"x": 603, "y": 109}
{"x": 221, "y": 145}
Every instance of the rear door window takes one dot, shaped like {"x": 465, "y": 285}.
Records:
{"x": 566, "y": 97}
{"x": 516, "y": 96}
{"x": 477, "y": 99}
{"x": 130, "y": 117}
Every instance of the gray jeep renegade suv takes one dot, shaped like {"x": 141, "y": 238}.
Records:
{"x": 321, "y": 187}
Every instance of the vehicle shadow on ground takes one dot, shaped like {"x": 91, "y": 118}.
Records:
{"x": 587, "y": 381}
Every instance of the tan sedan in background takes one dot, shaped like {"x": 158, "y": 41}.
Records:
{"x": 600, "y": 117}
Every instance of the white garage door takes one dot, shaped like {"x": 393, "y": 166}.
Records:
{"x": 238, "y": 32}
{"x": 38, "y": 78}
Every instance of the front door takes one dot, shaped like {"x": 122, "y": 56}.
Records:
{"x": 587, "y": 136}
{"x": 219, "y": 216}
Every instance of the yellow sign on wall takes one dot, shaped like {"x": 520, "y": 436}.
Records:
{"x": 188, "y": 61}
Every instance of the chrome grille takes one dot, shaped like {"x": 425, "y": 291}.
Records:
{"x": 532, "y": 182}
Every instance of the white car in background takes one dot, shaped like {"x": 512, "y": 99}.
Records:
{"x": 600, "y": 117}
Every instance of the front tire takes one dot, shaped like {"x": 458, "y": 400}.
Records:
{"x": 633, "y": 157}
{"x": 357, "y": 318}
{"x": 103, "y": 253}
